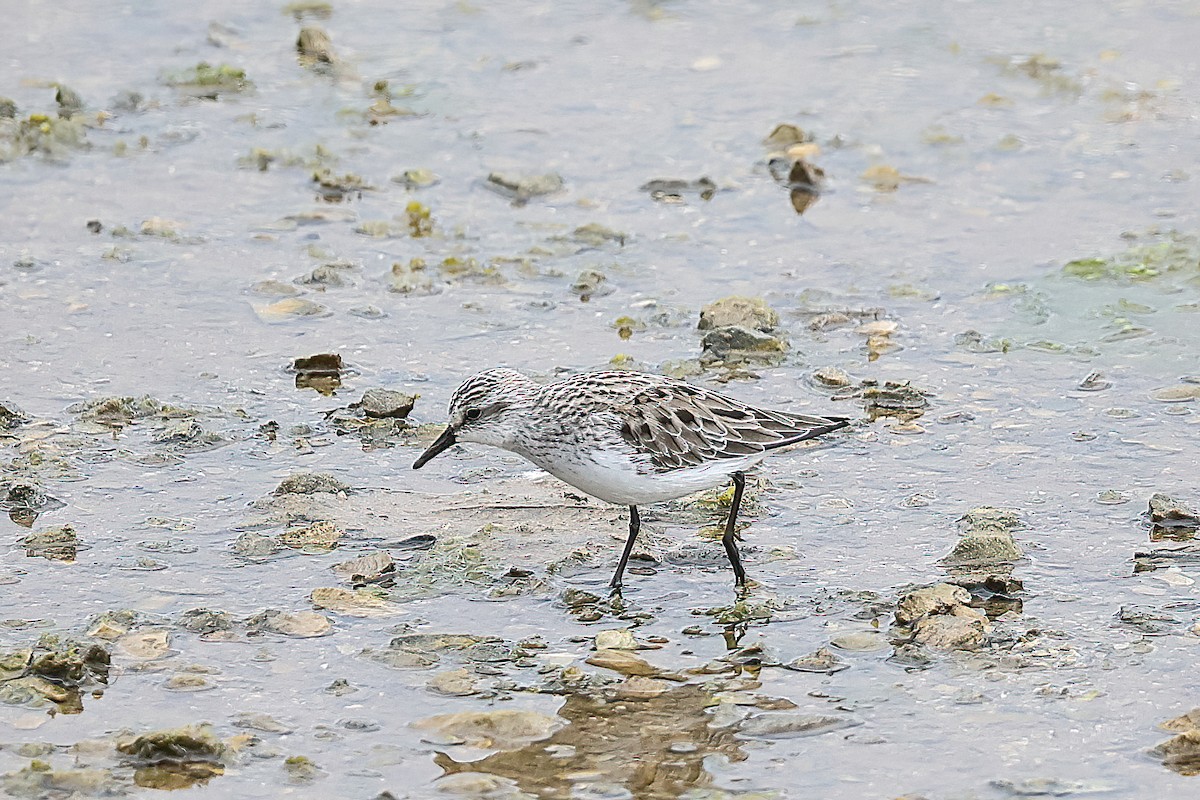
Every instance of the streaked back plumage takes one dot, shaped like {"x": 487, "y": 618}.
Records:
{"x": 674, "y": 424}
{"x": 681, "y": 425}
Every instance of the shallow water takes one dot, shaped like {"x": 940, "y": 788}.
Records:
{"x": 1024, "y": 166}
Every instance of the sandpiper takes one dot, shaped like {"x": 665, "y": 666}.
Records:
{"x": 625, "y": 437}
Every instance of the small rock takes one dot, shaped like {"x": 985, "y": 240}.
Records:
{"x": 453, "y": 683}
{"x": 367, "y": 312}
{"x": 1094, "y": 382}
{"x": 320, "y": 537}
{"x": 386, "y": 404}
{"x": 55, "y": 544}
{"x": 623, "y": 662}
{"x": 832, "y": 377}
{"x": 473, "y": 784}
{"x": 1165, "y": 512}
{"x": 203, "y": 620}
{"x": 359, "y": 725}
{"x": 28, "y": 498}
{"x": 721, "y": 343}
{"x": 789, "y": 726}
{"x": 57, "y": 667}
{"x": 1150, "y": 621}
{"x": 112, "y": 625}
{"x": 315, "y": 48}
{"x": 727, "y": 715}
{"x": 439, "y": 642}
{"x": 160, "y": 226}
{"x": 892, "y": 399}
{"x": 672, "y": 190}
{"x": 39, "y": 779}
{"x": 261, "y": 722}
{"x": 975, "y": 550}
{"x": 360, "y": 603}
{"x": 1004, "y": 585}
{"x": 522, "y": 188}
{"x": 1051, "y": 787}
{"x": 301, "y": 769}
{"x": 988, "y": 519}
{"x": 187, "y": 683}
{"x": 377, "y": 567}
{"x": 639, "y": 687}
{"x": 145, "y": 644}
{"x": 878, "y": 327}
{"x": 254, "y": 545}
{"x": 1184, "y": 722}
{"x": 419, "y": 178}
{"x": 860, "y": 641}
{"x": 186, "y": 744}
{"x": 273, "y": 288}
{"x": 785, "y": 135}
{"x": 591, "y": 283}
{"x": 595, "y": 235}
{"x": 187, "y": 435}
{"x": 910, "y": 656}
{"x": 311, "y": 483}
{"x": 411, "y": 278}
{"x": 1183, "y": 393}
{"x": 958, "y": 631}
{"x": 334, "y": 275}
{"x": 745, "y": 312}
{"x": 804, "y": 182}
{"x": 822, "y": 660}
{"x": 506, "y": 729}
{"x": 399, "y": 658}
{"x": 11, "y": 416}
{"x": 829, "y": 320}
{"x": 941, "y": 598}
{"x": 290, "y": 308}
{"x": 298, "y": 625}
{"x": 334, "y": 188}
{"x": 618, "y": 639}
{"x": 1112, "y": 497}
{"x": 320, "y": 366}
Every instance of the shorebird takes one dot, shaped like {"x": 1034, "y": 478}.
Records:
{"x": 626, "y": 437}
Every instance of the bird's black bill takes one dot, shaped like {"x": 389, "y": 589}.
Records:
{"x": 441, "y": 443}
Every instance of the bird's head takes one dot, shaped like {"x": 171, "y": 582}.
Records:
{"x": 486, "y": 409}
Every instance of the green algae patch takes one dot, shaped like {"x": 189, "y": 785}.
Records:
{"x": 1150, "y": 257}
{"x": 207, "y": 80}
{"x": 420, "y": 219}
{"x": 51, "y": 138}
{"x": 334, "y": 188}
{"x": 1044, "y": 70}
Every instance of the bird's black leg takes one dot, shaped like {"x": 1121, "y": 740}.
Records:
{"x": 635, "y": 525}
{"x": 735, "y": 559}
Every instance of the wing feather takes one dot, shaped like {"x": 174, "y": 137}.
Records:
{"x": 680, "y": 425}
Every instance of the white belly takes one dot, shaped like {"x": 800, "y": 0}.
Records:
{"x": 615, "y": 479}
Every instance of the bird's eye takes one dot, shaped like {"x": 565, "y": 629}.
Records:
{"x": 473, "y": 414}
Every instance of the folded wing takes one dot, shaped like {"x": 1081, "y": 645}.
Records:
{"x": 686, "y": 426}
